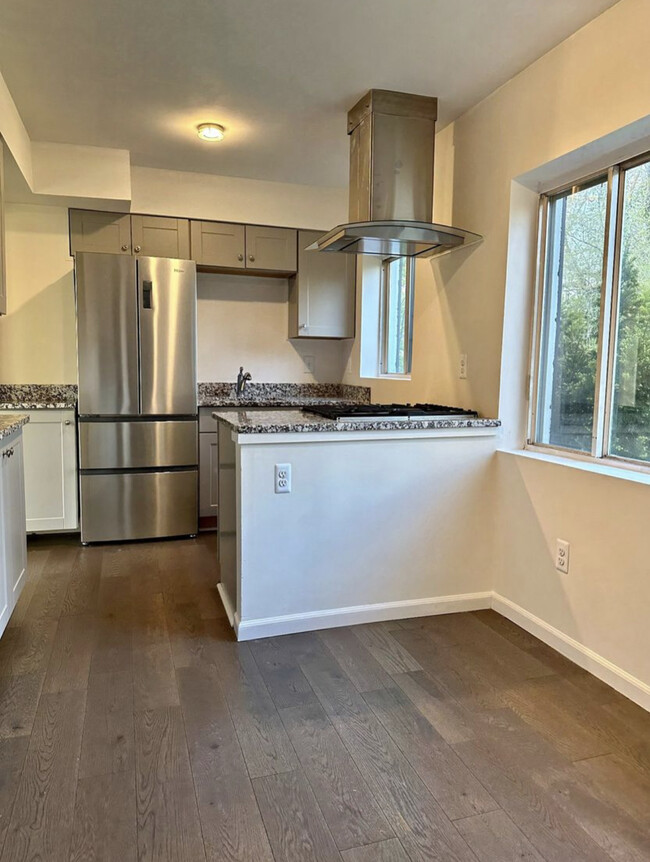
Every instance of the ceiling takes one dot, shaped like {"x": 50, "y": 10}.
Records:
{"x": 279, "y": 74}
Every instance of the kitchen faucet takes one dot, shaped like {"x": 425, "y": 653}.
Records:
{"x": 242, "y": 380}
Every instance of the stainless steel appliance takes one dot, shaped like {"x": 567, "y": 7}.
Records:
{"x": 391, "y": 411}
{"x": 392, "y": 138}
{"x": 138, "y": 433}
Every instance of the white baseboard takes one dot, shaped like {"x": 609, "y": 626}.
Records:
{"x": 619, "y": 679}
{"x": 225, "y": 601}
{"x": 332, "y": 618}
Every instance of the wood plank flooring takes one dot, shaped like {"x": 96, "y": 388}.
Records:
{"x": 133, "y": 727}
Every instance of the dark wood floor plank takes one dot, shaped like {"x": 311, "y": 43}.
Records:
{"x": 360, "y": 666}
{"x": 619, "y": 782}
{"x": 41, "y": 822}
{"x": 263, "y": 739}
{"x": 390, "y": 654}
{"x": 149, "y": 621}
{"x": 494, "y": 838}
{"x": 49, "y": 594}
{"x": 113, "y": 651}
{"x": 457, "y": 791}
{"x": 12, "y": 758}
{"x": 18, "y": 703}
{"x": 160, "y": 746}
{"x": 72, "y": 653}
{"x": 293, "y": 820}
{"x": 104, "y": 820}
{"x": 277, "y": 662}
{"x": 230, "y": 818}
{"x": 354, "y": 818}
{"x": 36, "y": 562}
{"x": 168, "y": 823}
{"x": 109, "y": 736}
{"x": 445, "y": 714}
{"x": 410, "y": 809}
{"x": 385, "y": 851}
{"x": 187, "y": 632}
{"x": 82, "y": 594}
{"x": 27, "y": 648}
{"x": 154, "y": 679}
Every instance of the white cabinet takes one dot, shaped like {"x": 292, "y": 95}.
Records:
{"x": 208, "y": 474}
{"x": 13, "y": 545}
{"x": 51, "y": 471}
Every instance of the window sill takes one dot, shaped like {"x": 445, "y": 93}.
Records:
{"x": 640, "y": 475}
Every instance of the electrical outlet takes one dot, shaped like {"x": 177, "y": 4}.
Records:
{"x": 283, "y": 478}
{"x": 462, "y": 366}
{"x": 562, "y": 556}
{"x": 310, "y": 364}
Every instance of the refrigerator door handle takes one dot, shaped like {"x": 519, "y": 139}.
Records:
{"x": 147, "y": 288}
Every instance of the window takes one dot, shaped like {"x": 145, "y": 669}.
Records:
{"x": 397, "y": 316}
{"x": 591, "y": 375}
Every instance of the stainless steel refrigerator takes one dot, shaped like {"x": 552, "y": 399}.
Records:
{"x": 136, "y": 354}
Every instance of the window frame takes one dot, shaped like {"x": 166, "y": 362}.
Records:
{"x": 607, "y": 326}
{"x": 385, "y": 318}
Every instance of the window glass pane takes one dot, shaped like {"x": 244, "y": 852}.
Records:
{"x": 630, "y": 421}
{"x": 397, "y": 320}
{"x": 569, "y": 347}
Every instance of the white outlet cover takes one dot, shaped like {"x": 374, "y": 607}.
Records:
{"x": 562, "y": 549}
{"x": 283, "y": 478}
{"x": 310, "y": 364}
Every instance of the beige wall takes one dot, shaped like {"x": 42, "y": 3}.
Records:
{"x": 587, "y": 89}
{"x": 241, "y": 322}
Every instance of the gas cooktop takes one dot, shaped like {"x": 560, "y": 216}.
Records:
{"x": 390, "y": 411}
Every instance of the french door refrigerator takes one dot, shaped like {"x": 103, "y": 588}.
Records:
{"x": 136, "y": 354}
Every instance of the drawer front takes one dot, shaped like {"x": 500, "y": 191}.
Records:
{"x": 124, "y": 445}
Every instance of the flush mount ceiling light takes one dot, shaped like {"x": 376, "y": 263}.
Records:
{"x": 210, "y": 131}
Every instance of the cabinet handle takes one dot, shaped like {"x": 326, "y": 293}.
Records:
{"x": 136, "y": 248}
{"x": 125, "y": 248}
{"x": 251, "y": 257}
{"x": 240, "y": 257}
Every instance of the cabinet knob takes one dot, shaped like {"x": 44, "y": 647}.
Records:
{"x": 136, "y": 248}
{"x": 68, "y": 422}
{"x": 251, "y": 257}
{"x": 125, "y": 248}
{"x": 240, "y": 257}
{"x": 303, "y": 326}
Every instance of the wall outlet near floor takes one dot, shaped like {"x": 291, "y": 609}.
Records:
{"x": 462, "y": 366}
{"x": 283, "y": 478}
{"x": 562, "y": 556}
{"x": 310, "y": 364}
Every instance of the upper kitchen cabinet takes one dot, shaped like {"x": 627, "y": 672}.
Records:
{"x": 3, "y": 273}
{"x": 247, "y": 247}
{"x": 99, "y": 231}
{"x": 271, "y": 248}
{"x": 158, "y": 236}
{"x": 219, "y": 244}
{"x": 322, "y": 293}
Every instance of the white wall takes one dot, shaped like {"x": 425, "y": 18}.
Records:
{"x": 594, "y": 84}
{"x": 243, "y": 323}
{"x": 243, "y": 320}
{"x": 37, "y": 337}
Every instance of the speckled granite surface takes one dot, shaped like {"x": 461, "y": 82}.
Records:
{"x": 37, "y": 396}
{"x": 287, "y": 394}
{"x": 11, "y": 422}
{"x": 295, "y": 421}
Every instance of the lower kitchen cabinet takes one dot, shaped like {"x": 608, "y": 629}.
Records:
{"x": 208, "y": 474}
{"x": 13, "y": 545}
{"x": 50, "y": 440}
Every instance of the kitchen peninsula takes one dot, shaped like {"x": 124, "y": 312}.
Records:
{"x": 326, "y": 523}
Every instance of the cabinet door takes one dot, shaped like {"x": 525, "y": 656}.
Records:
{"x": 3, "y": 269}
{"x": 322, "y": 294}
{"x": 51, "y": 471}
{"x": 208, "y": 474}
{"x": 158, "y": 236}
{"x": 271, "y": 248}
{"x": 218, "y": 244}
{"x": 14, "y": 544}
{"x": 100, "y": 232}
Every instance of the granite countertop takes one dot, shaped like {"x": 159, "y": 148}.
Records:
{"x": 9, "y": 424}
{"x": 295, "y": 421}
{"x": 38, "y": 396}
{"x": 281, "y": 395}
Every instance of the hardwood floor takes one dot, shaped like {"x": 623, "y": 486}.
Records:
{"x": 134, "y": 727}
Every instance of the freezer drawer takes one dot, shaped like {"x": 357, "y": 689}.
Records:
{"x": 124, "y": 506}
{"x": 123, "y": 444}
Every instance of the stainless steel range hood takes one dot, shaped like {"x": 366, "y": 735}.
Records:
{"x": 392, "y": 139}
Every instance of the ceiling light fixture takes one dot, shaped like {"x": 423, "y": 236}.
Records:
{"x": 210, "y": 131}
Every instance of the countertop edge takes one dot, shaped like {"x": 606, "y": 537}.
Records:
{"x": 9, "y": 427}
